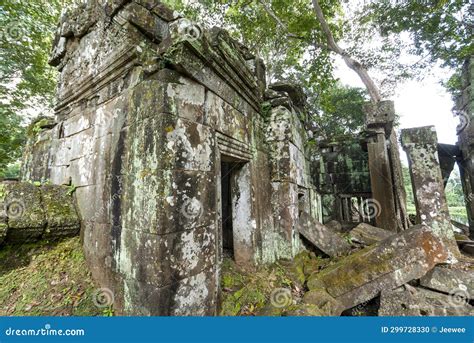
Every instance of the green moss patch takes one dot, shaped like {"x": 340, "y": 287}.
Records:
{"x": 248, "y": 292}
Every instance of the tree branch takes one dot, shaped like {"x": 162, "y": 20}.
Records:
{"x": 350, "y": 62}
{"x": 280, "y": 23}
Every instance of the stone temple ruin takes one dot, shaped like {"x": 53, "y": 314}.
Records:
{"x": 180, "y": 153}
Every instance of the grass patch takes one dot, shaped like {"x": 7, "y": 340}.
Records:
{"x": 46, "y": 279}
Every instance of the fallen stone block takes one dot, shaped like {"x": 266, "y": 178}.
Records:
{"x": 335, "y": 226}
{"x": 326, "y": 303}
{"x": 383, "y": 266}
{"x": 368, "y": 234}
{"x": 304, "y": 310}
{"x": 422, "y": 302}
{"x": 29, "y": 212}
{"x": 61, "y": 214}
{"x": 324, "y": 239}
{"x": 366, "y": 309}
{"x": 23, "y": 208}
{"x": 451, "y": 281}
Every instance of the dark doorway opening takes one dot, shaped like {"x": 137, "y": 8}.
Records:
{"x": 226, "y": 200}
{"x": 227, "y": 172}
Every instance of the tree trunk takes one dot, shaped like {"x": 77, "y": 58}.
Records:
{"x": 350, "y": 62}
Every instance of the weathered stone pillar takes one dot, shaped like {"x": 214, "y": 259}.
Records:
{"x": 421, "y": 146}
{"x": 465, "y": 131}
{"x": 379, "y": 122}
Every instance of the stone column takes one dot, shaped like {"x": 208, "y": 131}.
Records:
{"x": 421, "y": 146}
{"x": 379, "y": 122}
{"x": 465, "y": 131}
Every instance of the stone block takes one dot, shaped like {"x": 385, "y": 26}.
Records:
{"x": 334, "y": 225}
{"x": 167, "y": 143}
{"x": 77, "y": 123}
{"x": 326, "y": 303}
{"x": 383, "y": 266}
{"x": 421, "y": 302}
{"x": 450, "y": 280}
{"x": 61, "y": 214}
{"x": 222, "y": 117}
{"x": 164, "y": 259}
{"x": 169, "y": 201}
{"x": 367, "y": 234}
{"x": 193, "y": 296}
{"x": 380, "y": 114}
{"x": 24, "y": 210}
{"x": 323, "y": 238}
{"x": 151, "y": 25}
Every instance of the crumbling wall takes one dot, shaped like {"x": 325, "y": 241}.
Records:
{"x": 341, "y": 169}
{"x": 149, "y": 105}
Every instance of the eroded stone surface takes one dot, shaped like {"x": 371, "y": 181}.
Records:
{"x": 326, "y": 303}
{"x": 367, "y": 234}
{"x": 385, "y": 265}
{"x": 421, "y": 302}
{"x": 450, "y": 280}
{"x": 421, "y": 146}
{"x": 31, "y": 212}
{"x": 323, "y": 238}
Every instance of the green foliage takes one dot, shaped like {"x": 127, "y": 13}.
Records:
{"x": 291, "y": 51}
{"x": 71, "y": 189}
{"x": 11, "y": 171}
{"x": 28, "y": 29}
{"x": 12, "y": 138}
{"x": 341, "y": 109}
{"x": 454, "y": 192}
{"x": 26, "y": 79}
{"x": 441, "y": 30}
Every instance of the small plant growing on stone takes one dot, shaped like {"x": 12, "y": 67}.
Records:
{"x": 71, "y": 189}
